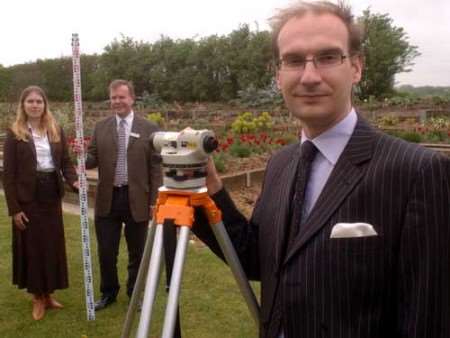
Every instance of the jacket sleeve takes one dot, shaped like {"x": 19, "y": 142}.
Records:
{"x": 244, "y": 234}
{"x": 10, "y": 173}
{"x": 155, "y": 172}
{"x": 68, "y": 169}
{"x": 424, "y": 263}
{"x": 92, "y": 155}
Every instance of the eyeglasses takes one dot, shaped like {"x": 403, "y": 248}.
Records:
{"x": 321, "y": 61}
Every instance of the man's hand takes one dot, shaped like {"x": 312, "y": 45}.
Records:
{"x": 19, "y": 220}
{"x": 213, "y": 181}
{"x": 77, "y": 146}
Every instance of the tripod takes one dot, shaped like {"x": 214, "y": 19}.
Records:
{"x": 178, "y": 205}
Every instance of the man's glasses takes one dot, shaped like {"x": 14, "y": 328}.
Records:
{"x": 321, "y": 61}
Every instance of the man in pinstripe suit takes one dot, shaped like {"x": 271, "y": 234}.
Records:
{"x": 371, "y": 254}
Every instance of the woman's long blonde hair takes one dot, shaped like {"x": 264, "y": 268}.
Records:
{"x": 47, "y": 124}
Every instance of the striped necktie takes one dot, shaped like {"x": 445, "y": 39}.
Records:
{"x": 308, "y": 152}
{"x": 121, "y": 175}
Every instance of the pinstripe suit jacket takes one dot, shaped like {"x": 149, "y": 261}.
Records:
{"x": 393, "y": 285}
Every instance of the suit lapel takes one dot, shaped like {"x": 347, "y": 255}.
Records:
{"x": 32, "y": 147}
{"x": 347, "y": 173}
{"x": 54, "y": 152}
{"x": 286, "y": 178}
{"x": 113, "y": 128}
{"x": 135, "y": 129}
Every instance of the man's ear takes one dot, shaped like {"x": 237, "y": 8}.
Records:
{"x": 357, "y": 64}
{"x": 277, "y": 79}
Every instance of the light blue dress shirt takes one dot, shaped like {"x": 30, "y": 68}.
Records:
{"x": 330, "y": 144}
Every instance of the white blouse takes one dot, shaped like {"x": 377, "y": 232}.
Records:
{"x": 43, "y": 152}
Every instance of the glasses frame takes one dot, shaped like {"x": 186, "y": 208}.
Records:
{"x": 302, "y": 66}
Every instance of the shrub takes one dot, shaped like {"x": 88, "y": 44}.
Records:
{"x": 66, "y": 120}
{"x": 155, "y": 118}
{"x": 244, "y": 123}
{"x": 411, "y": 137}
{"x": 150, "y": 100}
{"x": 263, "y": 122}
{"x": 238, "y": 149}
{"x": 435, "y": 136}
{"x": 439, "y": 123}
{"x": 388, "y": 121}
{"x": 219, "y": 162}
{"x": 253, "y": 97}
{"x": 200, "y": 123}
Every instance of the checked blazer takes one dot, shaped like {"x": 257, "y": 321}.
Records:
{"x": 395, "y": 284}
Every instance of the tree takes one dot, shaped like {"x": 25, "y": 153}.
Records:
{"x": 387, "y": 52}
{"x": 214, "y": 68}
{"x": 56, "y": 77}
{"x": 5, "y": 81}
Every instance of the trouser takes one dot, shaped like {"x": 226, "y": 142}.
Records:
{"x": 108, "y": 230}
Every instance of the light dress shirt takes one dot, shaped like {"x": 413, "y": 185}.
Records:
{"x": 43, "y": 151}
{"x": 331, "y": 144}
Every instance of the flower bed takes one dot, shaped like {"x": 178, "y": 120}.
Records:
{"x": 248, "y": 151}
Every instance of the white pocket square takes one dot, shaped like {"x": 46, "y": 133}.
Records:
{"x": 350, "y": 230}
{"x": 136, "y": 135}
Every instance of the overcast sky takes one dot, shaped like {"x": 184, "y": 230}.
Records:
{"x": 42, "y": 29}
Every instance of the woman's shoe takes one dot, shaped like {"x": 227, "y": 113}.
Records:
{"x": 52, "y": 303}
{"x": 38, "y": 308}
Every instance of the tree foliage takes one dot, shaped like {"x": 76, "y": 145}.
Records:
{"x": 387, "y": 52}
{"x": 236, "y": 67}
{"x": 5, "y": 80}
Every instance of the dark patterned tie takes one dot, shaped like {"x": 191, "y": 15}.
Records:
{"x": 307, "y": 153}
{"x": 121, "y": 176}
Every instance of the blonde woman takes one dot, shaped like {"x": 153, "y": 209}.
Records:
{"x": 36, "y": 160}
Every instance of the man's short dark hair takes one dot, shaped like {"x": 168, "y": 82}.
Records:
{"x": 297, "y": 10}
{"x": 118, "y": 83}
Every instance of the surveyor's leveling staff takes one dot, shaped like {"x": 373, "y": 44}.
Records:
{"x": 84, "y": 220}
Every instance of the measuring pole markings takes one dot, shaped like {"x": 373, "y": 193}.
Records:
{"x": 84, "y": 220}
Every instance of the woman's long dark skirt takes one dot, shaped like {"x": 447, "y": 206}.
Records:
{"x": 39, "y": 253}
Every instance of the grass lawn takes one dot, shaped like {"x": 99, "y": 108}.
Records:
{"x": 211, "y": 304}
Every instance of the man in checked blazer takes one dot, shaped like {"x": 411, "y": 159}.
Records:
{"x": 371, "y": 257}
{"x": 128, "y": 181}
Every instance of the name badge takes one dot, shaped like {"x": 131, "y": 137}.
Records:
{"x": 135, "y": 135}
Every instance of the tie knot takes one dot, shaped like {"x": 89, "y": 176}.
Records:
{"x": 122, "y": 123}
{"x": 308, "y": 151}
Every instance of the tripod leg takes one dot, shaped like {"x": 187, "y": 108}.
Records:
{"x": 139, "y": 285}
{"x": 151, "y": 284}
{"x": 175, "y": 283}
{"x": 235, "y": 265}
{"x": 170, "y": 246}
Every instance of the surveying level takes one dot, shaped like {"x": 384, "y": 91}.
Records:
{"x": 184, "y": 159}
{"x": 184, "y": 156}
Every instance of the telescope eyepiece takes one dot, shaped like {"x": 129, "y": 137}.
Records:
{"x": 210, "y": 144}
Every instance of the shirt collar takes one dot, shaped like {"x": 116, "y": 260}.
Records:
{"x": 331, "y": 143}
{"x": 128, "y": 119}
{"x": 34, "y": 133}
